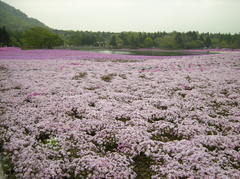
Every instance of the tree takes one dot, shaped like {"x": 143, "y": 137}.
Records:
{"x": 236, "y": 41}
{"x": 76, "y": 39}
{"x": 14, "y": 42}
{"x": 4, "y": 37}
{"x": 194, "y": 44}
{"x": 148, "y": 42}
{"x": 208, "y": 42}
{"x": 119, "y": 42}
{"x": 15, "y": 38}
{"x": 157, "y": 41}
{"x": 179, "y": 40}
{"x": 168, "y": 42}
{"x": 113, "y": 41}
{"x": 39, "y": 37}
{"x": 172, "y": 40}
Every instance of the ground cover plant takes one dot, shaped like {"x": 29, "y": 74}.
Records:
{"x": 17, "y": 53}
{"x": 175, "y": 117}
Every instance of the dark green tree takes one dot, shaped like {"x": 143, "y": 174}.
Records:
{"x": 39, "y": 37}
{"x": 4, "y": 37}
{"x": 113, "y": 41}
{"x": 148, "y": 42}
{"x": 179, "y": 40}
{"x": 164, "y": 40}
{"x": 208, "y": 42}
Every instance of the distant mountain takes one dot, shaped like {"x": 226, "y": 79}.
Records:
{"x": 13, "y": 19}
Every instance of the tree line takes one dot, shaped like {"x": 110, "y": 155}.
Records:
{"x": 33, "y": 38}
{"x": 164, "y": 40}
{"x": 39, "y": 37}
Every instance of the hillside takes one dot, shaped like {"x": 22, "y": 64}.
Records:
{"x": 13, "y": 19}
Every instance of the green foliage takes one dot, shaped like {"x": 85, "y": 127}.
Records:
{"x": 168, "y": 42}
{"x": 208, "y": 42}
{"x": 194, "y": 44}
{"x": 108, "y": 78}
{"x": 15, "y": 20}
{"x": 15, "y": 42}
{"x": 7, "y": 166}
{"x": 80, "y": 76}
{"x": 38, "y": 37}
{"x": 15, "y": 38}
{"x": 119, "y": 42}
{"x": 52, "y": 143}
{"x": 148, "y": 42}
{"x": 173, "y": 40}
{"x": 116, "y": 42}
{"x": 4, "y": 37}
{"x": 179, "y": 40}
{"x": 142, "y": 166}
{"x": 113, "y": 41}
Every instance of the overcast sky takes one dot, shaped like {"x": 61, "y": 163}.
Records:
{"x": 135, "y": 15}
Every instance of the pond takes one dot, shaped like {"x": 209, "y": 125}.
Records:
{"x": 153, "y": 52}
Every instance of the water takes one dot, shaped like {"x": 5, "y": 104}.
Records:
{"x": 150, "y": 52}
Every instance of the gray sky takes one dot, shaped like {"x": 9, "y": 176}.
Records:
{"x": 135, "y": 15}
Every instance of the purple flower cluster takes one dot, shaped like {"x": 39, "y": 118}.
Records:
{"x": 109, "y": 119}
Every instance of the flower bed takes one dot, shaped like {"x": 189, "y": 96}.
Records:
{"x": 174, "y": 118}
{"x": 17, "y": 53}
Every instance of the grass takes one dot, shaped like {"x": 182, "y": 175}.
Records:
{"x": 108, "y": 78}
{"x": 167, "y": 135}
{"x": 123, "y": 119}
{"x": 43, "y": 137}
{"x": 74, "y": 114}
{"x": 2, "y": 111}
{"x": 80, "y": 76}
{"x": 161, "y": 107}
{"x": 142, "y": 166}
{"x": 123, "y": 76}
{"x": 143, "y": 76}
{"x": 109, "y": 145}
{"x": 7, "y": 165}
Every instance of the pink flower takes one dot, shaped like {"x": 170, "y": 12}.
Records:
{"x": 34, "y": 94}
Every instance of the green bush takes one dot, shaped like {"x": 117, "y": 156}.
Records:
{"x": 40, "y": 38}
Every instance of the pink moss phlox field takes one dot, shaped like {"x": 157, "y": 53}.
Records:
{"x": 16, "y": 53}
{"x": 106, "y": 119}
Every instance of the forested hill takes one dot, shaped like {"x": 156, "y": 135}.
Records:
{"x": 15, "y": 20}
